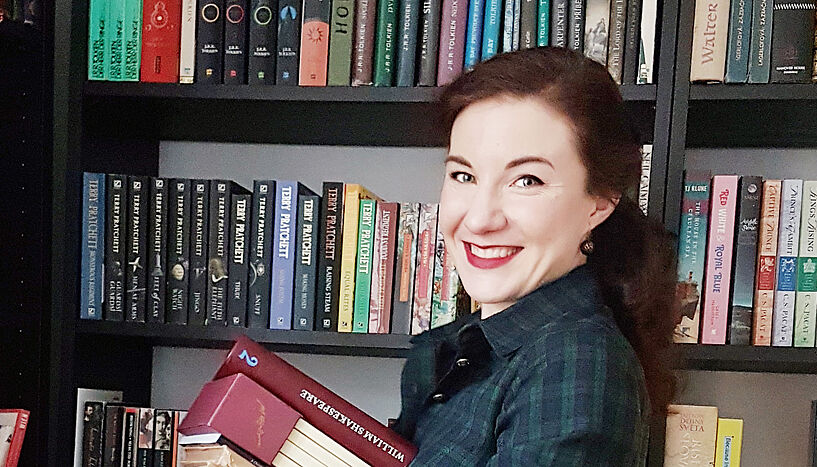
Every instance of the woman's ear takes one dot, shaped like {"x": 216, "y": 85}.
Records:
{"x": 603, "y": 207}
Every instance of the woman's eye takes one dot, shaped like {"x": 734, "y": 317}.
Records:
{"x": 462, "y": 177}
{"x": 527, "y": 181}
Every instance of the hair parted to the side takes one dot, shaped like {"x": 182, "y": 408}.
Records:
{"x": 634, "y": 257}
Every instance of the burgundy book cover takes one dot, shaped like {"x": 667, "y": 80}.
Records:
{"x": 367, "y": 438}
{"x": 161, "y": 29}
{"x": 265, "y": 422}
{"x": 452, "y": 40}
{"x": 363, "y": 45}
{"x": 385, "y": 238}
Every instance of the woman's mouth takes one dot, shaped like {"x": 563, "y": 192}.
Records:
{"x": 489, "y": 257}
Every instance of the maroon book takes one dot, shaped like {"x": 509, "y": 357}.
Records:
{"x": 367, "y": 438}
{"x": 161, "y": 26}
{"x": 363, "y": 51}
{"x": 265, "y": 421}
{"x": 452, "y": 40}
{"x": 385, "y": 237}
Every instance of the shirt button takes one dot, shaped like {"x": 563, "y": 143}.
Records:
{"x": 463, "y": 362}
{"x": 439, "y": 397}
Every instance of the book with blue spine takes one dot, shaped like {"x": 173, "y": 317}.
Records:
{"x": 473, "y": 40}
{"x": 306, "y": 262}
{"x": 787, "y": 250}
{"x": 543, "y": 24}
{"x": 490, "y": 30}
{"x": 409, "y": 21}
{"x": 263, "y": 215}
{"x": 737, "y": 46}
{"x": 92, "y": 255}
{"x": 507, "y": 26}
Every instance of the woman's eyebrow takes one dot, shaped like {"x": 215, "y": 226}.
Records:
{"x": 458, "y": 160}
{"x": 528, "y": 160}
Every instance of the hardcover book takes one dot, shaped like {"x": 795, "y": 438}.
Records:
{"x": 408, "y": 22}
{"x": 235, "y": 42}
{"x": 218, "y": 269}
{"x": 558, "y": 23}
{"x": 429, "y": 37}
{"x": 132, "y": 40}
{"x": 473, "y": 35}
{"x": 745, "y": 254}
{"x": 575, "y": 29}
{"x": 178, "y": 251}
{"x": 787, "y": 249}
{"x": 210, "y": 42}
{"x": 383, "y": 267}
{"x": 424, "y": 277}
{"x": 644, "y": 182}
{"x": 618, "y": 23}
{"x": 452, "y": 41}
{"x": 306, "y": 262}
{"x": 384, "y": 56}
{"x": 187, "y": 42}
{"x": 161, "y": 23}
{"x": 806, "y": 296}
{"x": 490, "y": 30}
{"x": 691, "y": 435}
{"x": 543, "y": 23}
{"x": 340, "y": 42}
{"x": 363, "y": 271}
{"x": 241, "y": 215}
{"x": 528, "y": 17}
{"x": 364, "y": 41}
{"x": 761, "y": 41}
{"x": 792, "y": 41}
{"x": 597, "y": 30}
{"x": 404, "y": 268}
{"x": 136, "y": 272}
{"x": 199, "y": 231}
{"x": 116, "y": 215}
{"x": 508, "y": 25}
{"x": 646, "y": 57}
{"x": 263, "y": 40}
{"x": 314, "y": 42}
{"x": 729, "y": 442}
{"x": 353, "y": 193}
{"x": 115, "y": 40}
{"x": 632, "y": 39}
{"x": 263, "y": 218}
{"x": 98, "y": 34}
{"x": 737, "y": 50}
{"x": 331, "y": 230}
{"x": 709, "y": 41}
{"x": 157, "y": 251}
{"x": 766, "y": 264}
{"x": 289, "y": 41}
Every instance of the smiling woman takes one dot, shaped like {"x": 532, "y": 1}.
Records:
{"x": 570, "y": 352}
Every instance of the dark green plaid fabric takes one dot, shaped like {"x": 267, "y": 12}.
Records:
{"x": 549, "y": 381}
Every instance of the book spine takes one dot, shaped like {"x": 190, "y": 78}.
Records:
{"x": 306, "y": 263}
{"x": 112, "y": 454}
{"x": 17, "y": 438}
{"x": 715, "y": 308}
{"x": 644, "y": 181}
{"x": 787, "y": 249}
{"x": 629, "y": 73}
{"x": 283, "y": 255}
{"x": 473, "y": 36}
{"x": 240, "y": 213}
{"x": 116, "y": 214}
{"x": 528, "y": 17}
{"x": 766, "y": 264}
{"x": 517, "y": 26}
{"x": 507, "y": 26}
{"x": 558, "y": 23}
{"x": 98, "y": 34}
{"x": 806, "y": 297}
{"x": 132, "y": 40}
{"x": 646, "y": 54}
{"x": 575, "y": 29}
{"x": 618, "y": 27}
{"x": 384, "y": 56}
{"x": 363, "y": 270}
{"x": 364, "y": 43}
{"x": 331, "y": 230}
{"x": 163, "y": 435}
{"x": 745, "y": 254}
{"x": 115, "y": 58}
{"x": 792, "y": 40}
{"x": 543, "y": 23}
{"x": 729, "y": 443}
{"x": 129, "y": 434}
{"x": 135, "y": 274}
{"x": 157, "y": 252}
{"x": 263, "y": 215}
{"x": 737, "y": 50}
{"x": 404, "y": 268}
{"x": 305, "y": 395}
{"x": 490, "y": 32}
{"x": 161, "y": 22}
{"x": 340, "y": 42}
{"x": 198, "y": 221}
{"x": 314, "y": 42}
{"x": 235, "y": 42}
{"x": 187, "y": 42}
{"x": 218, "y": 250}
{"x": 424, "y": 278}
{"x": 452, "y": 39}
{"x": 429, "y": 42}
{"x": 442, "y": 311}
{"x": 450, "y": 305}
{"x": 761, "y": 41}
{"x": 814, "y": 60}
{"x": 382, "y": 268}
{"x": 210, "y": 42}
{"x": 175, "y": 451}
{"x": 92, "y": 447}
{"x": 289, "y": 40}
{"x": 178, "y": 251}
{"x": 145, "y": 436}
{"x": 348, "y": 258}
{"x": 709, "y": 41}
{"x": 597, "y": 27}
{"x": 691, "y": 254}
{"x": 263, "y": 40}
{"x": 408, "y": 22}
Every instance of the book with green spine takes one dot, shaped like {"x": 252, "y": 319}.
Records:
{"x": 384, "y": 54}
{"x": 98, "y": 53}
{"x": 806, "y": 295}
{"x": 363, "y": 273}
{"x": 115, "y": 40}
{"x": 340, "y": 42}
{"x": 132, "y": 40}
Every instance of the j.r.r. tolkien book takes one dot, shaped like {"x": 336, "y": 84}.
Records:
{"x": 473, "y": 35}
{"x": 178, "y": 251}
{"x": 218, "y": 240}
{"x": 386, "y": 219}
{"x": 575, "y": 27}
{"x": 517, "y": 27}
{"x": 187, "y": 42}
{"x": 691, "y": 435}
{"x": 132, "y": 40}
{"x": 806, "y": 296}
{"x": 261, "y": 55}
{"x": 289, "y": 41}
{"x": 115, "y": 40}
{"x": 424, "y": 276}
{"x": 199, "y": 231}
{"x": 116, "y": 215}
{"x": 788, "y": 239}
{"x": 597, "y": 30}
{"x": 761, "y": 41}
{"x": 384, "y": 50}
{"x": 408, "y": 22}
{"x": 240, "y": 216}
{"x": 528, "y": 16}
{"x": 490, "y": 30}
{"x": 558, "y": 23}
{"x": 429, "y": 38}
{"x": 137, "y": 262}
{"x": 144, "y": 441}
{"x": 98, "y": 48}
{"x": 404, "y": 268}
{"x": 363, "y": 274}
{"x": 236, "y": 25}
{"x": 452, "y": 40}
{"x": 306, "y": 262}
{"x": 766, "y": 264}
{"x": 729, "y": 442}
{"x": 715, "y": 308}
{"x": 364, "y": 41}
{"x": 367, "y": 438}
{"x": 646, "y": 53}
{"x": 161, "y": 22}
{"x": 331, "y": 230}
{"x": 792, "y": 40}
{"x": 508, "y": 25}
{"x": 260, "y": 267}
{"x": 157, "y": 251}
{"x": 737, "y": 49}
{"x": 210, "y": 42}
{"x": 543, "y": 23}
{"x": 340, "y": 42}
{"x": 629, "y": 73}
{"x": 709, "y": 36}
{"x": 314, "y": 43}
{"x": 691, "y": 254}
{"x": 616, "y": 44}
{"x": 745, "y": 259}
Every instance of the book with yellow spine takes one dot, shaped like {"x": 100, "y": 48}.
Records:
{"x": 730, "y": 439}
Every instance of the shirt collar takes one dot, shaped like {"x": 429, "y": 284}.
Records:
{"x": 575, "y": 293}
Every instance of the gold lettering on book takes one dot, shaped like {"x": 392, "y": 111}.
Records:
{"x": 259, "y": 422}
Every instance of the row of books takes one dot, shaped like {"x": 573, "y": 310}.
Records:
{"x": 754, "y": 41}
{"x": 748, "y": 261}
{"x": 355, "y": 42}
{"x": 21, "y": 11}
{"x": 210, "y": 252}
{"x": 697, "y": 436}
{"x": 13, "y": 424}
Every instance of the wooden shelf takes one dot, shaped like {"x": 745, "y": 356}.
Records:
{"x": 749, "y": 358}
{"x": 375, "y": 345}
{"x": 763, "y": 92}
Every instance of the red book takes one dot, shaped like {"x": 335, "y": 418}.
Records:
{"x": 261, "y": 429}
{"x": 386, "y": 220}
{"x": 13, "y": 424}
{"x": 452, "y": 40}
{"x": 161, "y": 33}
{"x": 367, "y": 438}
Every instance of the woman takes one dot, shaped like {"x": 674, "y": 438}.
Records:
{"x": 567, "y": 357}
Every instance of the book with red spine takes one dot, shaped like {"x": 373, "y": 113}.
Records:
{"x": 161, "y": 36}
{"x": 718, "y": 274}
{"x": 13, "y": 423}
{"x": 766, "y": 264}
{"x": 367, "y": 438}
{"x": 383, "y": 267}
{"x": 424, "y": 272}
{"x": 452, "y": 40}
{"x": 314, "y": 42}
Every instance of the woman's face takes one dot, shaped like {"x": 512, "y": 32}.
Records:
{"x": 513, "y": 208}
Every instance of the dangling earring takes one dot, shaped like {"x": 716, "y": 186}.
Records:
{"x": 587, "y": 246}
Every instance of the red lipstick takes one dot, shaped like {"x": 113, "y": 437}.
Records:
{"x": 486, "y": 263}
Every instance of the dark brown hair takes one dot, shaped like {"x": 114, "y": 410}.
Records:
{"x": 634, "y": 258}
